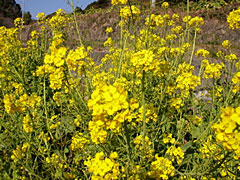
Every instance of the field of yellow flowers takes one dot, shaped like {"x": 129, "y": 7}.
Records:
{"x": 144, "y": 112}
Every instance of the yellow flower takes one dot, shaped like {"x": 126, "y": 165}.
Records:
{"x": 212, "y": 70}
{"x": 233, "y": 19}
{"x": 226, "y": 130}
{"x": 129, "y": 12}
{"x": 102, "y": 167}
{"x": 115, "y": 2}
{"x": 196, "y": 22}
{"x": 142, "y": 58}
{"x": 27, "y": 124}
{"x": 176, "y": 102}
{"x": 41, "y": 16}
{"x": 165, "y": 5}
{"x": 18, "y": 22}
{"x": 79, "y": 141}
{"x": 202, "y": 52}
{"x": 226, "y": 44}
{"x": 161, "y": 168}
{"x": 109, "y": 30}
{"x": 175, "y": 154}
{"x": 231, "y": 57}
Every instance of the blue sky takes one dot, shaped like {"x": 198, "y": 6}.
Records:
{"x": 50, "y": 6}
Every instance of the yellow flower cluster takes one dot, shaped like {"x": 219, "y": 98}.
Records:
{"x": 212, "y": 70}
{"x": 18, "y": 22}
{"x": 56, "y": 78}
{"x": 155, "y": 20}
{"x": 227, "y": 130}
{"x": 177, "y": 30}
{"x": 176, "y": 103}
{"x": 56, "y": 57}
{"x": 186, "y": 81}
{"x": 236, "y": 81}
{"x": 233, "y": 19}
{"x": 231, "y": 57}
{"x": 27, "y": 124}
{"x": 58, "y": 21}
{"x": 108, "y": 42}
{"x": 168, "y": 139}
{"x": 161, "y": 168}
{"x": 79, "y": 141}
{"x": 175, "y": 154}
{"x": 226, "y": 44}
{"x": 75, "y": 59}
{"x": 208, "y": 148}
{"x": 107, "y": 100}
{"x": 143, "y": 58}
{"x": 53, "y": 64}
{"x": 109, "y": 30}
{"x": 55, "y": 160}
{"x": 202, "y": 52}
{"x": 116, "y": 2}
{"x": 103, "y": 168}
{"x": 12, "y": 104}
{"x": 18, "y": 153}
{"x": 58, "y": 98}
{"x": 196, "y": 22}
{"x": 195, "y": 120}
{"x": 129, "y": 12}
{"x": 165, "y": 5}
{"x": 41, "y": 16}
{"x": 148, "y": 151}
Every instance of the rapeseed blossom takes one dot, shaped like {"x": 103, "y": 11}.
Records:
{"x": 115, "y": 2}
{"x": 143, "y": 58}
{"x": 161, "y": 168}
{"x": 79, "y": 141}
{"x": 227, "y": 131}
{"x": 196, "y": 23}
{"x": 165, "y": 5}
{"x": 226, "y": 44}
{"x": 107, "y": 100}
{"x": 202, "y": 52}
{"x": 176, "y": 154}
{"x": 186, "y": 81}
{"x": 102, "y": 167}
{"x": 129, "y": 12}
{"x": 27, "y": 124}
{"x": 109, "y": 30}
{"x": 212, "y": 70}
{"x": 233, "y": 19}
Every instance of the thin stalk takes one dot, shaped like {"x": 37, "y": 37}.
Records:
{"x": 121, "y": 59}
{"x": 45, "y": 106}
{"x": 121, "y": 40}
{"x": 213, "y": 98}
{"x": 148, "y": 28}
{"x": 76, "y": 23}
{"x": 187, "y": 28}
{"x": 127, "y": 141}
{"x": 144, "y": 112}
{"x": 193, "y": 49}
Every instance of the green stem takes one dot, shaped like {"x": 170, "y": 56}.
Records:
{"x": 76, "y": 23}
{"x": 121, "y": 58}
{"x": 45, "y": 107}
{"x": 187, "y": 25}
{"x": 127, "y": 141}
{"x": 193, "y": 49}
{"x": 213, "y": 98}
{"x": 144, "y": 112}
